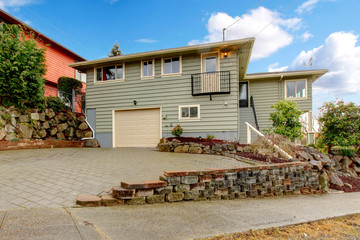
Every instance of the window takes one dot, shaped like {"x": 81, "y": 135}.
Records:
{"x": 296, "y": 89}
{"x": 243, "y": 94}
{"x": 210, "y": 64}
{"x": 189, "y": 112}
{"x": 171, "y": 65}
{"x": 115, "y": 72}
{"x": 147, "y": 69}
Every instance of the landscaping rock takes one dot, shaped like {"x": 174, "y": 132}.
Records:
{"x": 53, "y": 131}
{"x": 42, "y": 117}
{"x": 182, "y": 188}
{"x": 25, "y": 131}
{"x": 174, "y": 197}
{"x": 61, "y": 127}
{"x": 69, "y": 132}
{"x": 42, "y": 133}
{"x": 164, "y": 147}
{"x": 136, "y": 201}
{"x": 60, "y": 136}
{"x": 83, "y": 126}
{"x": 324, "y": 182}
{"x": 88, "y": 200}
{"x": 87, "y": 134}
{"x": 216, "y": 148}
{"x": 11, "y": 137}
{"x": 144, "y": 192}
{"x": 334, "y": 179}
{"x": 155, "y": 199}
{"x": 164, "y": 190}
{"x": 195, "y": 150}
{"x": 2, "y": 122}
{"x": 46, "y": 125}
{"x": 182, "y": 149}
{"x": 9, "y": 128}
{"x": 24, "y": 118}
{"x": 191, "y": 195}
{"x": 91, "y": 143}
{"x": 189, "y": 179}
{"x": 109, "y": 200}
{"x": 122, "y": 193}
{"x": 2, "y": 133}
{"x": 34, "y": 116}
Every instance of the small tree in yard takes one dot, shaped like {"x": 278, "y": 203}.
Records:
{"x": 340, "y": 124}
{"x": 67, "y": 85}
{"x": 286, "y": 119}
{"x": 22, "y": 66}
{"x": 115, "y": 50}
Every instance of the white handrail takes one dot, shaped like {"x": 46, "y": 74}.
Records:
{"x": 251, "y": 128}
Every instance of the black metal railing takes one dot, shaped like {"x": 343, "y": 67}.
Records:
{"x": 254, "y": 112}
{"x": 210, "y": 83}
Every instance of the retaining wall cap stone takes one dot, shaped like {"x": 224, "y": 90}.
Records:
{"x": 181, "y": 173}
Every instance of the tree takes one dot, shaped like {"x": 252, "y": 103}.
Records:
{"x": 22, "y": 67}
{"x": 67, "y": 85}
{"x": 340, "y": 124}
{"x": 286, "y": 119}
{"x": 115, "y": 50}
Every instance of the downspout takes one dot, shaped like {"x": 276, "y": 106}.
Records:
{"x": 92, "y": 130}
{"x": 279, "y": 88}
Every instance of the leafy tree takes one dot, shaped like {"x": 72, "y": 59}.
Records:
{"x": 66, "y": 85}
{"x": 22, "y": 67}
{"x": 340, "y": 124}
{"x": 115, "y": 50}
{"x": 286, "y": 119}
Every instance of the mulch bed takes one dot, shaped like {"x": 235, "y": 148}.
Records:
{"x": 354, "y": 182}
{"x": 262, "y": 158}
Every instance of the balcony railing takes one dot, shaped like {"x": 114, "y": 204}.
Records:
{"x": 210, "y": 83}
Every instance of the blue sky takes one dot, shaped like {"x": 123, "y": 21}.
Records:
{"x": 326, "y": 30}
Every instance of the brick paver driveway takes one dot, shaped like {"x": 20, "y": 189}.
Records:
{"x": 54, "y": 177}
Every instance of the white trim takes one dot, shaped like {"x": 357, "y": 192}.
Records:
{"x": 189, "y": 119}
{"x": 171, "y": 74}
{"x": 295, "y": 80}
{"x": 142, "y": 69}
{"x": 132, "y": 109}
{"x": 203, "y": 55}
{"x": 114, "y": 80}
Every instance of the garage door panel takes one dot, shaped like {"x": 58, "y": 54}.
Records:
{"x": 137, "y": 128}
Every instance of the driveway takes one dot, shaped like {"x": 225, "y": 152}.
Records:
{"x": 54, "y": 177}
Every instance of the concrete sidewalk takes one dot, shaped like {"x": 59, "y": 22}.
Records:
{"x": 183, "y": 220}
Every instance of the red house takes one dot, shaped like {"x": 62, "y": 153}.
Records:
{"x": 57, "y": 56}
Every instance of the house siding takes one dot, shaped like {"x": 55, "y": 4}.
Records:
{"x": 168, "y": 93}
{"x": 267, "y": 92}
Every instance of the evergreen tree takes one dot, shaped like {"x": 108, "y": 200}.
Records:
{"x": 115, "y": 50}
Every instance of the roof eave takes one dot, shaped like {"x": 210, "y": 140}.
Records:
{"x": 306, "y": 73}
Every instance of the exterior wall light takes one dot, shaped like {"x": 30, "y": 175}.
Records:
{"x": 135, "y": 102}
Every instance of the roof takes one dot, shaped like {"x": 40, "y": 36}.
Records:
{"x": 287, "y": 74}
{"x": 192, "y": 48}
{"x": 11, "y": 19}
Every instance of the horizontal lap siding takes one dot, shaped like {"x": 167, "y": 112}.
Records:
{"x": 168, "y": 93}
{"x": 268, "y": 92}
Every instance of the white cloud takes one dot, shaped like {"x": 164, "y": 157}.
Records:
{"x": 306, "y": 36}
{"x": 145, "y": 40}
{"x": 4, "y": 4}
{"x": 340, "y": 54}
{"x": 271, "y": 39}
{"x": 274, "y": 68}
{"x": 309, "y": 5}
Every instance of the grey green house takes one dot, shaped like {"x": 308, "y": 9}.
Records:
{"x": 136, "y": 99}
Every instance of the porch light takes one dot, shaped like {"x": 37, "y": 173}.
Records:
{"x": 135, "y": 102}
{"x": 226, "y": 54}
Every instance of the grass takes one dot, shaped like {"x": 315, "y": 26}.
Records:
{"x": 347, "y": 227}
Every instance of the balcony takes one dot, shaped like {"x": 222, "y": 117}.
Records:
{"x": 210, "y": 83}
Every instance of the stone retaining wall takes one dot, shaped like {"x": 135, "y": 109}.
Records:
{"x": 214, "y": 184}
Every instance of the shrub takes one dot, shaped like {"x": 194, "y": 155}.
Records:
{"x": 210, "y": 137}
{"x": 56, "y": 104}
{"x": 177, "y": 131}
{"x": 340, "y": 124}
{"x": 22, "y": 66}
{"x": 286, "y": 119}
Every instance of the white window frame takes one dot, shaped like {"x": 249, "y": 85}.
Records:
{"x": 171, "y": 74}
{"x": 142, "y": 69}
{"x": 209, "y": 54}
{"x": 116, "y": 79}
{"x": 189, "y": 118}
{"x": 296, "y": 98}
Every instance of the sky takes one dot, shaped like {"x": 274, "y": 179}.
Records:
{"x": 288, "y": 32}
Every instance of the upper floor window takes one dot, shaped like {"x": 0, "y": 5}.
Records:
{"x": 296, "y": 89}
{"x": 147, "y": 68}
{"x": 115, "y": 72}
{"x": 243, "y": 94}
{"x": 171, "y": 65}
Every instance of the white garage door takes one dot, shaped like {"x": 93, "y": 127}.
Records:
{"x": 137, "y": 128}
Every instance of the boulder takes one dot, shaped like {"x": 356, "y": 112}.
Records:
{"x": 356, "y": 160}
{"x": 42, "y": 133}
{"x": 51, "y": 113}
{"x": 25, "y": 131}
{"x": 196, "y": 150}
{"x": 61, "y": 127}
{"x": 11, "y": 137}
{"x": 334, "y": 179}
{"x": 230, "y": 147}
{"x": 348, "y": 185}
{"x": 91, "y": 143}
{"x": 42, "y": 117}
{"x": 346, "y": 162}
{"x": 304, "y": 155}
{"x": 60, "y": 136}
{"x": 324, "y": 181}
{"x": 164, "y": 147}
{"x": 9, "y": 128}
{"x": 163, "y": 140}
{"x": 2, "y": 133}
{"x": 87, "y": 134}
{"x": 182, "y": 149}
{"x": 62, "y": 117}
{"x": 24, "y": 118}
{"x": 53, "y": 131}
{"x": 13, "y": 121}
{"x": 78, "y": 133}
{"x": 239, "y": 149}
{"x": 69, "y": 132}
{"x": 325, "y": 159}
{"x": 216, "y": 148}
{"x": 15, "y": 113}
{"x": 34, "y": 116}
{"x": 46, "y": 125}
{"x": 317, "y": 164}
{"x": 71, "y": 115}
{"x": 2, "y": 121}
{"x": 83, "y": 126}
{"x": 81, "y": 119}
{"x": 52, "y": 123}
{"x": 337, "y": 158}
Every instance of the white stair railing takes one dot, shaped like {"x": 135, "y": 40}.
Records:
{"x": 251, "y": 128}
